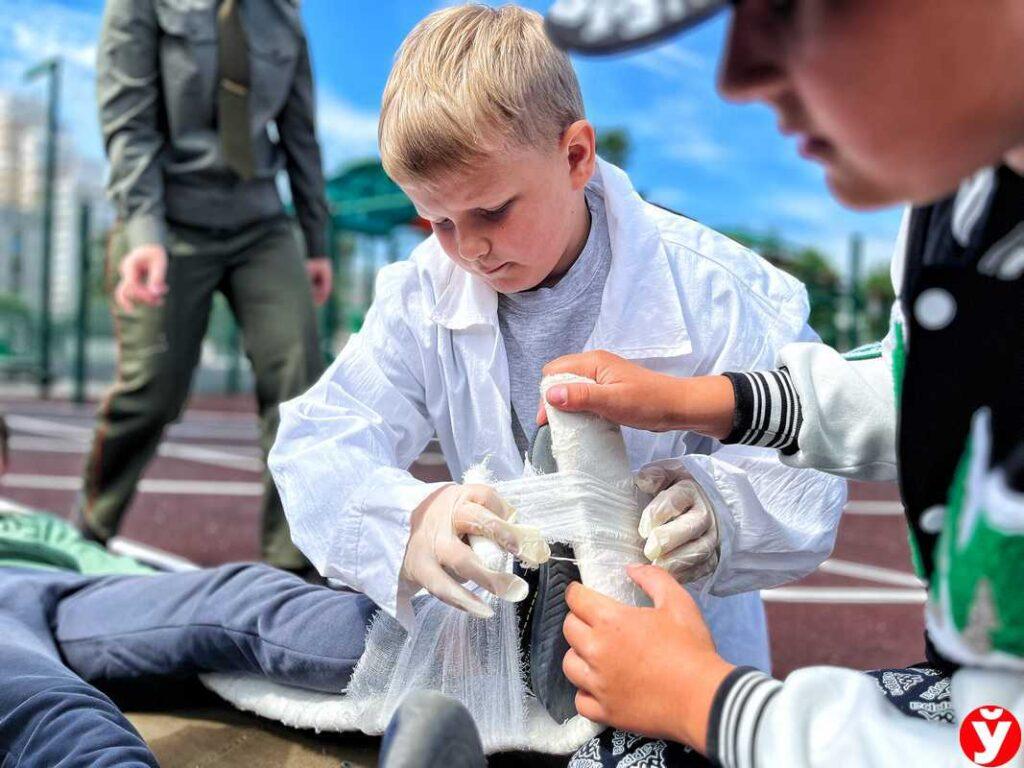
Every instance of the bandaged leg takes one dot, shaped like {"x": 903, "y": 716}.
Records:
{"x": 588, "y": 504}
{"x": 585, "y": 442}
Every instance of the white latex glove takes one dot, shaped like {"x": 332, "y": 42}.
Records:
{"x": 439, "y": 560}
{"x": 678, "y": 524}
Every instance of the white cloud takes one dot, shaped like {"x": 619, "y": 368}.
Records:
{"x": 813, "y": 218}
{"x": 33, "y": 32}
{"x": 346, "y": 132}
{"x": 692, "y": 145}
{"x": 679, "y": 128}
{"x": 809, "y": 208}
{"x": 671, "y": 61}
{"x": 33, "y": 42}
{"x": 673, "y": 198}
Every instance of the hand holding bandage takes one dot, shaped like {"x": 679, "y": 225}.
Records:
{"x": 679, "y": 525}
{"x": 439, "y": 559}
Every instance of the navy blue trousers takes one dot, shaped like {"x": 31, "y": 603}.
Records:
{"x": 61, "y": 631}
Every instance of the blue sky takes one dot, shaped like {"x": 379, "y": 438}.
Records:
{"x": 722, "y": 164}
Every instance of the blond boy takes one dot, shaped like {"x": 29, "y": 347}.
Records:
{"x": 538, "y": 249}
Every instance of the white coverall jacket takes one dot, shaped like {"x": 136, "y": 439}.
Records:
{"x": 679, "y": 298}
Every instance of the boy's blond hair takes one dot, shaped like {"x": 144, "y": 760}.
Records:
{"x": 470, "y": 80}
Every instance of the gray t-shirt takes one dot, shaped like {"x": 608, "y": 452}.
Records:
{"x": 544, "y": 323}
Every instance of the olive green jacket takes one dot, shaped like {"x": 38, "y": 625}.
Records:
{"x": 157, "y": 93}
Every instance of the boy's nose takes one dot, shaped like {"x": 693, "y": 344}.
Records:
{"x": 473, "y": 248}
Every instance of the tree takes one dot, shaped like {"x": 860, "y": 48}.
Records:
{"x": 614, "y": 145}
{"x": 878, "y": 298}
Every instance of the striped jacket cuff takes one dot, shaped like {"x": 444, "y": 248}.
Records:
{"x": 736, "y": 713}
{"x": 767, "y": 410}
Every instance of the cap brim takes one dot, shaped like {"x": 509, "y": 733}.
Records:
{"x": 599, "y": 26}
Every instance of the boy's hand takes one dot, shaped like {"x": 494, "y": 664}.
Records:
{"x": 628, "y": 394}
{"x": 439, "y": 560}
{"x": 652, "y": 671}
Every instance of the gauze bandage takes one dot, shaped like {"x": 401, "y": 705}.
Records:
{"x": 591, "y": 505}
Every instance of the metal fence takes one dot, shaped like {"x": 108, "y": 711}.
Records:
{"x": 74, "y": 350}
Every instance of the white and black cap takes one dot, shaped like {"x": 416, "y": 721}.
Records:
{"x": 611, "y": 26}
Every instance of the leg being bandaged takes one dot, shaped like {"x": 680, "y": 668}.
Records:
{"x": 586, "y": 442}
{"x": 588, "y": 504}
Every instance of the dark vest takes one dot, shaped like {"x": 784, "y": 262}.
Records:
{"x": 958, "y": 362}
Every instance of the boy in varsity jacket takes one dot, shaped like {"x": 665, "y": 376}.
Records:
{"x": 899, "y": 101}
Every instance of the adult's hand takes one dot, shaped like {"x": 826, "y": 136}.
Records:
{"x": 631, "y": 395}
{"x": 320, "y": 278}
{"x": 652, "y": 671}
{"x": 143, "y": 277}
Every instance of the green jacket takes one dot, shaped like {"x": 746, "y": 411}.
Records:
{"x": 36, "y": 540}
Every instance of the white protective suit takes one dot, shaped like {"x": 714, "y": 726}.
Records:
{"x": 680, "y": 298}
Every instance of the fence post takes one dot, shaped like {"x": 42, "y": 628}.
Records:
{"x": 51, "y": 68}
{"x": 233, "y": 383}
{"x": 82, "y": 332}
{"x": 330, "y": 326}
{"x": 856, "y": 253}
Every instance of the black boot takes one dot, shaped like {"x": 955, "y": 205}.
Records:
{"x": 543, "y": 613}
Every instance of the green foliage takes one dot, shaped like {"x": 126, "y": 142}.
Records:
{"x": 614, "y": 145}
{"x": 878, "y": 297}
{"x": 825, "y": 286}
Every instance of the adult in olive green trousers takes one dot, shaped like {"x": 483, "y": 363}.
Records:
{"x": 261, "y": 271}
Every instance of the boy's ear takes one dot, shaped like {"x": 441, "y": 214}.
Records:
{"x": 580, "y": 145}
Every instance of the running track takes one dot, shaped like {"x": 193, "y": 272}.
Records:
{"x": 200, "y": 500}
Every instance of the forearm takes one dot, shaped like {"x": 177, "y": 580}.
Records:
{"x": 340, "y": 463}
{"x": 297, "y": 127}
{"x": 128, "y": 96}
{"x": 704, "y": 404}
{"x": 826, "y": 716}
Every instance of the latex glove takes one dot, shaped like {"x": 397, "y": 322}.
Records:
{"x": 439, "y": 560}
{"x": 143, "y": 277}
{"x": 679, "y": 523}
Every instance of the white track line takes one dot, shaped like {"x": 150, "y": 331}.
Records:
{"x": 870, "y": 573}
{"x": 212, "y": 456}
{"x": 153, "y": 556}
{"x": 67, "y": 438}
{"x": 170, "y": 487}
{"x": 21, "y": 443}
{"x": 9, "y": 506}
{"x": 35, "y": 426}
{"x": 430, "y": 459}
{"x": 881, "y": 508}
{"x": 844, "y": 595}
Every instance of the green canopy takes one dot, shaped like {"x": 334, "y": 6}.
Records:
{"x": 363, "y": 199}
